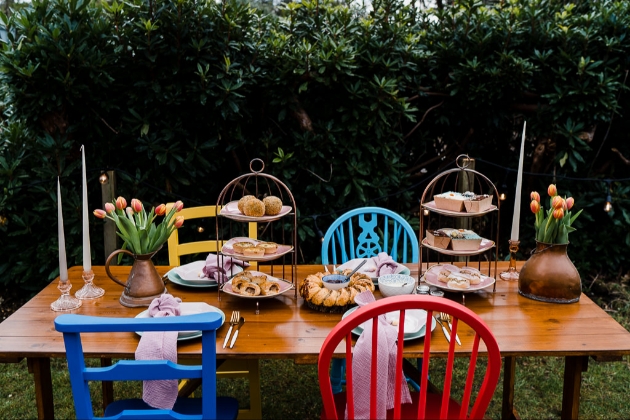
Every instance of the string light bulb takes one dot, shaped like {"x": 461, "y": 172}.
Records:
{"x": 104, "y": 178}
{"x": 502, "y": 196}
{"x": 608, "y": 205}
{"x": 200, "y": 229}
{"x": 425, "y": 212}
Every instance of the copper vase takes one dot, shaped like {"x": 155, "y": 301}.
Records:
{"x": 143, "y": 283}
{"x": 550, "y": 276}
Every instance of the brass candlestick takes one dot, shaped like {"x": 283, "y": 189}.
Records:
{"x": 511, "y": 274}
{"x": 65, "y": 301}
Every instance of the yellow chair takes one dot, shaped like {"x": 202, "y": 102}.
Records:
{"x": 230, "y": 368}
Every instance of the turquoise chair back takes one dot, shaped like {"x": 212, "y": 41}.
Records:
{"x": 366, "y": 231}
{"x": 206, "y": 407}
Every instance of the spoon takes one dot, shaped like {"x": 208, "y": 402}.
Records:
{"x": 356, "y": 268}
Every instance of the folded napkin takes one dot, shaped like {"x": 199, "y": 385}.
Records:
{"x": 386, "y": 366}
{"x": 385, "y": 264}
{"x": 217, "y": 271}
{"x": 160, "y": 345}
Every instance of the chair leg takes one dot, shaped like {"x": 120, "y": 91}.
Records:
{"x": 337, "y": 373}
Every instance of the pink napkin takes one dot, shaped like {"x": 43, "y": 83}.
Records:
{"x": 160, "y": 345}
{"x": 386, "y": 366}
{"x": 214, "y": 271}
{"x": 385, "y": 264}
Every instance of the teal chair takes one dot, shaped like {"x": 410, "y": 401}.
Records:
{"x": 364, "y": 233}
{"x": 206, "y": 407}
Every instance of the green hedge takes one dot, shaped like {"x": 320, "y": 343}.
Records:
{"x": 347, "y": 106}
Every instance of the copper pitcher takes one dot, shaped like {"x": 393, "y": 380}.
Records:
{"x": 550, "y": 276}
{"x": 143, "y": 284}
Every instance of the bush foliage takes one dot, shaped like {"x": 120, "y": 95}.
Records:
{"x": 348, "y": 106}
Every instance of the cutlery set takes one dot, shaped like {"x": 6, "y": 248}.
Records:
{"x": 235, "y": 321}
{"x": 446, "y": 319}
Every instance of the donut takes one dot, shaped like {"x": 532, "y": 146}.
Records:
{"x": 273, "y": 205}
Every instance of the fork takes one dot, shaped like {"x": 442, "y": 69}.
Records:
{"x": 447, "y": 318}
{"x": 233, "y": 321}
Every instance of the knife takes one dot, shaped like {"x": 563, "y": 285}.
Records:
{"x": 444, "y": 330}
{"x": 238, "y": 327}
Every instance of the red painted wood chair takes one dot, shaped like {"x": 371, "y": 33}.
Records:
{"x": 426, "y": 404}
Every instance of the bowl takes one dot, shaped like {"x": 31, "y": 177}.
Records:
{"x": 335, "y": 281}
{"x": 396, "y": 284}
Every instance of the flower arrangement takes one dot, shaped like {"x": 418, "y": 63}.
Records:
{"x": 556, "y": 226}
{"x": 137, "y": 229}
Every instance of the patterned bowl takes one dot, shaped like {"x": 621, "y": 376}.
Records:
{"x": 396, "y": 284}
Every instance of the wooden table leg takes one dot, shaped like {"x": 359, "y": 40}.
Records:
{"x": 40, "y": 368}
{"x": 107, "y": 386}
{"x": 573, "y": 368}
{"x": 509, "y": 372}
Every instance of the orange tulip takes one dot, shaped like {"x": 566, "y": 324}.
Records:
{"x": 534, "y": 206}
{"x": 535, "y": 196}
{"x": 557, "y": 202}
{"x": 99, "y": 213}
{"x": 179, "y": 221}
{"x": 552, "y": 191}
{"x": 109, "y": 208}
{"x": 178, "y": 205}
{"x": 570, "y": 203}
{"x": 558, "y": 213}
{"x": 160, "y": 210}
{"x": 121, "y": 203}
{"x": 136, "y": 205}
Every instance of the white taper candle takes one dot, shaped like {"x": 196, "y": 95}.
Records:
{"x": 87, "y": 256}
{"x": 517, "y": 197}
{"x": 63, "y": 266}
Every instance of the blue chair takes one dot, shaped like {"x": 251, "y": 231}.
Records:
{"x": 366, "y": 231}
{"x": 363, "y": 233}
{"x": 207, "y": 407}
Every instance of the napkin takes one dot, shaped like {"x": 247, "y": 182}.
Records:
{"x": 386, "y": 366}
{"x": 160, "y": 345}
{"x": 214, "y": 271}
{"x": 385, "y": 264}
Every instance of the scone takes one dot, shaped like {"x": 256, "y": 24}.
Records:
{"x": 273, "y": 205}
{"x": 242, "y": 201}
{"x": 254, "y": 208}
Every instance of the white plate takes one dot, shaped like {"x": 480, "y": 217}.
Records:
{"x": 485, "y": 245}
{"x": 190, "y": 272}
{"x": 431, "y": 278}
{"x": 228, "y": 250}
{"x": 369, "y": 268}
{"x": 431, "y": 206}
{"x": 188, "y": 308}
{"x": 231, "y": 211}
{"x": 418, "y": 318}
{"x": 284, "y": 286}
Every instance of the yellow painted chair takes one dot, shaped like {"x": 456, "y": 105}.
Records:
{"x": 230, "y": 368}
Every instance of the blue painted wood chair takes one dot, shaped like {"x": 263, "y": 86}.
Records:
{"x": 364, "y": 233}
{"x": 206, "y": 407}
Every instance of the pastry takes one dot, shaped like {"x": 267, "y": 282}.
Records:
{"x": 254, "y": 251}
{"x": 242, "y": 201}
{"x": 254, "y": 208}
{"x": 273, "y": 205}
{"x": 268, "y": 288}
{"x": 319, "y": 297}
{"x": 456, "y": 282}
{"x": 344, "y": 297}
{"x": 250, "y": 289}
{"x": 259, "y": 279}
{"x": 470, "y": 274}
{"x": 452, "y": 201}
{"x": 464, "y": 240}
{"x": 331, "y": 298}
{"x": 269, "y": 247}
{"x": 238, "y": 283}
{"x": 240, "y": 246}
{"x": 443, "y": 275}
{"x": 438, "y": 238}
{"x": 478, "y": 203}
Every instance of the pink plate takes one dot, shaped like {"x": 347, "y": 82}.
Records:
{"x": 431, "y": 206}
{"x": 284, "y": 286}
{"x": 228, "y": 250}
{"x": 231, "y": 211}
{"x": 485, "y": 245}
{"x": 431, "y": 278}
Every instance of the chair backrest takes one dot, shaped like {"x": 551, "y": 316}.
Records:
{"x": 72, "y": 325}
{"x": 433, "y": 305}
{"x": 355, "y": 234}
{"x": 177, "y": 249}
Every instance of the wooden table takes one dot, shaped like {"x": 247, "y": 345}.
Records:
{"x": 289, "y": 330}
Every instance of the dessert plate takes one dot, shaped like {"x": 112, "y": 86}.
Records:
{"x": 283, "y": 284}
{"x": 228, "y": 250}
{"x": 189, "y": 275}
{"x": 231, "y": 211}
{"x": 369, "y": 268}
{"x": 431, "y": 277}
{"x": 431, "y": 206}
{"x": 485, "y": 245}
{"x": 415, "y": 322}
{"x": 188, "y": 308}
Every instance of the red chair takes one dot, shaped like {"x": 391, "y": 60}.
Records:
{"x": 426, "y": 404}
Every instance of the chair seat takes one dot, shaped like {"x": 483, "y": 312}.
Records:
{"x": 409, "y": 411}
{"x": 227, "y": 407}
